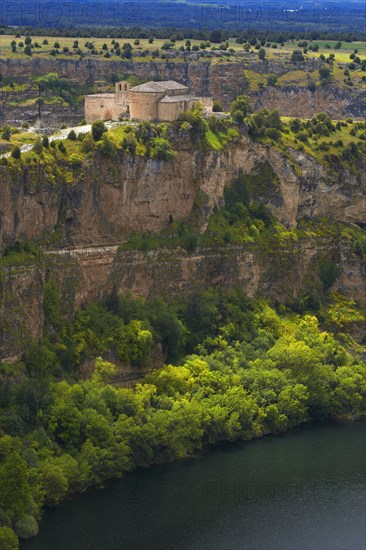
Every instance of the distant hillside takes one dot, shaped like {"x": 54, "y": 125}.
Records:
{"x": 308, "y": 16}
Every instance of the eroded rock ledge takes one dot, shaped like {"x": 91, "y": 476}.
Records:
{"x": 110, "y": 199}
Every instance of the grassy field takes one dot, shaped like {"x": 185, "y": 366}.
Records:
{"x": 5, "y": 44}
{"x": 19, "y": 138}
{"x": 17, "y": 93}
{"x": 144, "y": 52}
{"x": 320, "y": 146}
{"x": 341, "y": 54}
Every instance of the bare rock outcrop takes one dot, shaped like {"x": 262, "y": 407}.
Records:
{"x": 82, "y": 220}
{"x": 110, "y": 199}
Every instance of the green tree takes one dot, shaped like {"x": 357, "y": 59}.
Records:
{"x": 216, "y": 36}
{"x": 262, "y": 54}
{"x": 103, "y": 370}
{"x": 325, "y": 74}
{"x": 65, "y": 423}
{"x": 217, "y": 107}
{"x": 161, "y": 149}
{"x": 15, "y": 497}
{"x": 169, "y": 328}
{"x": 8, "y": 539}
{"x": 129, "y": 143}
{"x": 134, "y": 343}
{"x": 240, "y": 108}
{"x": 297, "y": 56}
{"x": 6, "y": 134}
{"x": 58, "y": 86}
{"x": 107, "y": 147}
{"x": 87, "y": 145}
{"x": 40, "y": 358}
{"x": 54, "y": 482}
{"x": 98, "y": 129}
{"x": 38, "y": 147}
{"x": 15, "y": 152}
{"x": 26, "y": 526}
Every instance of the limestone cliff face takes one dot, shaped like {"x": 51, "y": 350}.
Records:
{"x": 298, "y": 101}
{"x": 109, "y": 199}
{"x": 221, "y": 80}
{"x": 89, "y": 215}
{"x": 21, "y": 309}
{"x": 91, "y": 273}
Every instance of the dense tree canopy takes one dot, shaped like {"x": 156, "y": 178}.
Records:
{"x": 250, "y": 372}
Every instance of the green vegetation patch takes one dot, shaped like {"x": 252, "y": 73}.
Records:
{"x": 253, "y": 371}
{"x": 21, "y": 254}
{"x": 336, "y": 144}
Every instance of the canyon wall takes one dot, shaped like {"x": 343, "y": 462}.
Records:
{"x": 82, "y": 275}
{"x": 109, "y": 199}
{"x": 81, "y": 221}
{"x": 219, "y": 79}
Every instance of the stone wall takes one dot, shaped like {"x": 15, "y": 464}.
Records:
{"x": 171, "y": 110}
{"x": 101, "y": 107}
{"x": 144, "y": 105}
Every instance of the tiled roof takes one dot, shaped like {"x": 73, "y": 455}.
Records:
{"x": 147, "y": 87}
{"x": 162, "y": 86}
{"x": 172, "y": 85}
{"x": 176, "y": 98}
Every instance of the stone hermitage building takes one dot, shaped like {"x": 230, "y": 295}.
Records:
{"x": 164, "y": 100}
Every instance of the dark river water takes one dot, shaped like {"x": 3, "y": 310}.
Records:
{"x": 303, "y": 490}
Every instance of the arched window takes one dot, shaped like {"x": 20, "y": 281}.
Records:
{"x": 125, "y": 87}
{"x": 120, "y": 87}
